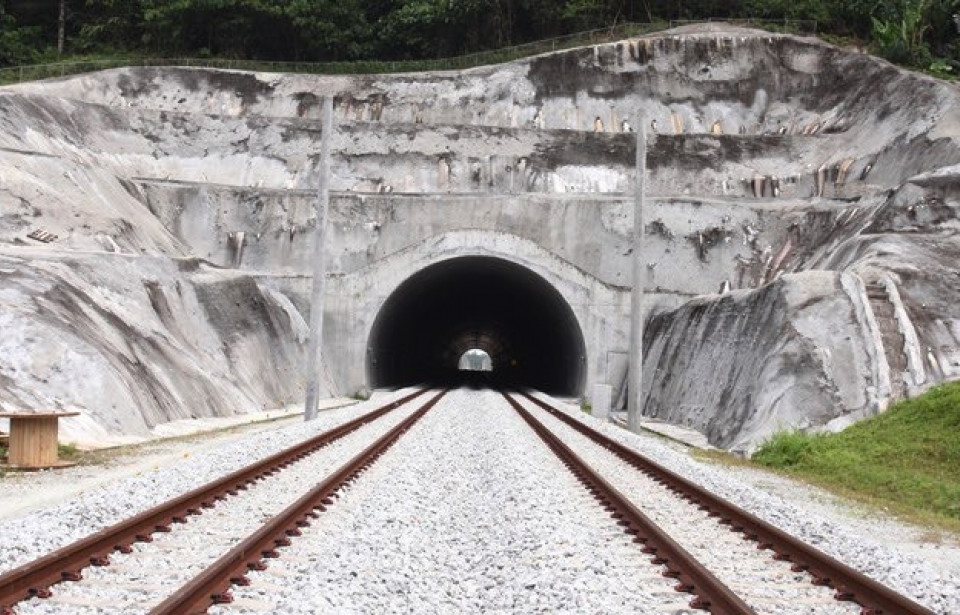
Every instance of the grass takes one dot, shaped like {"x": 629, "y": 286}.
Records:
{"x": 906, "y": 460}
{"x": 68, "y": 452}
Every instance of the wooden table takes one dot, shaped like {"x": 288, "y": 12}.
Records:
{"x": 33, "y": 440}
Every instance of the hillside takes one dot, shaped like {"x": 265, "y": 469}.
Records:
{"x": 907, "y": 459}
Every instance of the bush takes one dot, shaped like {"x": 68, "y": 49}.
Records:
{"x": 785, "y": 449}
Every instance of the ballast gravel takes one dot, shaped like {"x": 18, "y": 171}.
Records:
{"x": 136, "y": 582}
{"x": 936, "y": 588}
{"x": 469, "y": 512}
{"x": 30, "y": 536}
{"x": 767, "y": 585}
{"x": 435, "y": 568}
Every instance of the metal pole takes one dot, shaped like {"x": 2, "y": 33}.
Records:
{"x": 635, "y": 381}
{"x": 315, "y": 347}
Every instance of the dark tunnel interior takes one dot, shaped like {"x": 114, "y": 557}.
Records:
{"x": 506, "y": 310}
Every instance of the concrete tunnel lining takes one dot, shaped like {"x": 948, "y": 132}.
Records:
{"x": 514, "y": 315}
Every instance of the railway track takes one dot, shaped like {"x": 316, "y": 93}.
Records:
{"x": 727, "y": 560}
{"x": 780, "y": 574}
{"x": 131, "y": 558}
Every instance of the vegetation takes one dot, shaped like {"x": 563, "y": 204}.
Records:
{"x": 361, "y": 395}
{"x": 68, "y": 452}
{"x": 906, "y": 460}
{"x": 919, "y": 33}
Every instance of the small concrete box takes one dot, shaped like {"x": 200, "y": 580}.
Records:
{"x": 602, "y": 398}
{"x": 33, "y": 440}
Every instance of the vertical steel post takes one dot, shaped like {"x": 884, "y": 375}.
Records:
{"x": 314, "y": 362}
{"x": 639, "y": 278}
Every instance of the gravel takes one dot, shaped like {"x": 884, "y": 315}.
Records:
{"x": 936, "y": 586}
{"x": 767, "y": 585}
{"x": 27, "y": 537}
{"x": 136, "y": 582}
{"x": 469, "y": 512}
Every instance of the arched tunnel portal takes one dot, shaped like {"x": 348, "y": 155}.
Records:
{"x": 477, "y": 302}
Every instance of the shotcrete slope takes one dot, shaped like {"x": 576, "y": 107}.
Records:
{"x": 769, "y": 155}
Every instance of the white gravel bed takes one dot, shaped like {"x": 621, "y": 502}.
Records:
{"x": 767, "y": 585}
{"x": 23, "y": 492}
{"x": 34, "y": 534}
{"x": 136, "y": 582}
{"x": 936, "y": 586}
{"x": 469, "y": 512}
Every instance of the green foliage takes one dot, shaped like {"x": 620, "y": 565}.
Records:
{"x": 67, "y": 451}
{"x": 18, "y": 45}
{"x": 915, "y": 32}
{"x": 941, "y": 68}
{"x": 907, "y": 459}
{"x": 901, "y": 39}
{"x": 785, "y": 449}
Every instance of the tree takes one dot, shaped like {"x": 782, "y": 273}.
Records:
{"x": 329, "y": 29}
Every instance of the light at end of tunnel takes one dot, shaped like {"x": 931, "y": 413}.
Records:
{"x": 475, "y": 360}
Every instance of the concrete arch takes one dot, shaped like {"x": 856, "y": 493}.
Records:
{"x": 597, "y": 309}
{"x": 484, "y": 302}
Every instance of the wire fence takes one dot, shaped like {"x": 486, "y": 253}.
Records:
{"x": 36, "y": 72}
{"x": 788, "y": 26}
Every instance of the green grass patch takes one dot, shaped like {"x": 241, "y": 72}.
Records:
{"x": 68, "y": 452}
{"x": 906, "y": 460}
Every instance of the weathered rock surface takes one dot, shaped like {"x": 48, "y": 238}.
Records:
{"x": 821, "y": 185}
{"x": 137, "y": 341}
{"x": 801, "y": 345}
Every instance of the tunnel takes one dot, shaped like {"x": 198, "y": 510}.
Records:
{"x": 477, "y": 302}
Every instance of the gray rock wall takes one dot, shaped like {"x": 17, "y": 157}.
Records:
{"x": 770, "y": 156}
{"x": 135, "y": 342}
{"x": 802, "y": 342}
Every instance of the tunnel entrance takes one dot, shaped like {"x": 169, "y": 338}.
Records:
{"x": 475, "y": 360}
{"x": 513, "y": 315}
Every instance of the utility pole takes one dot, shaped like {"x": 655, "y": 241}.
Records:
{"x": 639, "y": 279}
{"x": 315, "y": 346}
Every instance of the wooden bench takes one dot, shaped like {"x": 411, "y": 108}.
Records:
{"x": 33, "y": 440}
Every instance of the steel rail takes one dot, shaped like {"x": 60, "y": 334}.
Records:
{"x": 34, "y": 579}
{"x": 213, "y": 584}
{"x": 848, "y": 584}
{"x": 692, "y": 576}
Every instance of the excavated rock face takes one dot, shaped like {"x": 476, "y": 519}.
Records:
{"x": 156, "y": 227}
{"x": 803, "y": 344}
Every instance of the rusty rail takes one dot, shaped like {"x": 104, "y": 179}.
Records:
{"x": 847, "y": 583}
{"x": 692, "y": 577}
{"x": 213, "y": 584}
{"x": 66, "y": 564}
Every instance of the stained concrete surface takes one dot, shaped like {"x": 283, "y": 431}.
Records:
{"x": 817, "y": 183}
